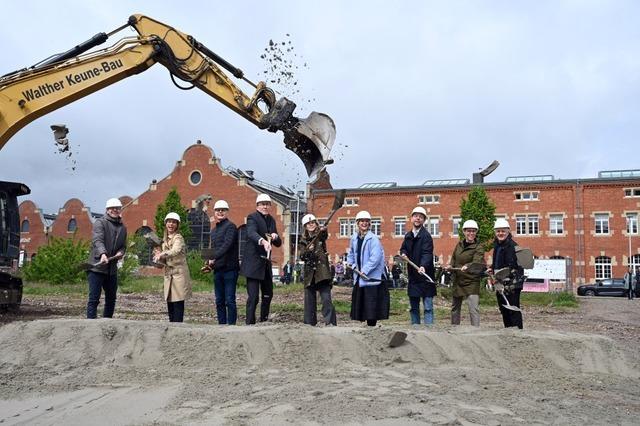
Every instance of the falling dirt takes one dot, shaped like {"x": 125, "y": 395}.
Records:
{"x": 63, "y": 148}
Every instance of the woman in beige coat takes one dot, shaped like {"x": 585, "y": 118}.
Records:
{"x": 173, "y": 255}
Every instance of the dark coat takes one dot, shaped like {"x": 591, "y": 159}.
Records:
{"x": 314, "y": 255}
{"x": 419, "y": 250}
{"x": 464, "y": 283}
{"x": 224, "y": 240}
{"x": 109, "y": 236}
{"x": 254, "y": 262}
{"x": 504, "y": 256}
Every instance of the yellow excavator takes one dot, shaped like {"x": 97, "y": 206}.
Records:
{"x": 31, "y": 92}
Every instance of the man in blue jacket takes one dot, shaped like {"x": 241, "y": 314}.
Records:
{"x": 418, "y": 247}
{"x": 224, "y": 240}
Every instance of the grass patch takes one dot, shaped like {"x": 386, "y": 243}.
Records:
{"x": 287, "y": 307}
{"x": 45, "y": 289}
{"x": 288, "y": 289}
{"x": 556, "y": 300}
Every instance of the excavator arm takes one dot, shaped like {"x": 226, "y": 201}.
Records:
{"x": 33, "y": 92}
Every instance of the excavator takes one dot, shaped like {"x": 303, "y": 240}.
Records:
{"x": 30, "y": 93}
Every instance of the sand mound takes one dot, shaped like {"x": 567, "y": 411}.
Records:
{"x": 62, "y": 370}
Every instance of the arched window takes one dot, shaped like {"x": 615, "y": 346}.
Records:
{"x": 200, "y": 229}
{"x": 25, "y": 226}
{"x": 142, "y": 248}
{"x": 603, "y": 267}
{"x": 72, "y": 226}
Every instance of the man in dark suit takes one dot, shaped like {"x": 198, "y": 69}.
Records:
{"x": 256, "y": 262}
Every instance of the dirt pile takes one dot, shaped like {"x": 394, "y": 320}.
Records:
{"x": 60, "y": 371}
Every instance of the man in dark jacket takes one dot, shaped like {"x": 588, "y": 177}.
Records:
{"x": 504, "y": 256}
{"x": 256, "y": 261}
{"x": 224, "y": 240}
{"x": 108, "y": 241}
{"x": 418, "y": 248}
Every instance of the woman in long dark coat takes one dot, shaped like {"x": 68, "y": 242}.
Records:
{"x": 370, "y": 296}
{"x": 317, "y": 272}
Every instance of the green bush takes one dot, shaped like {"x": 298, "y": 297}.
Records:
{"x": 128, "y": 269}
{"x": 59, "y": 262}
{"x": 195, "y": 262}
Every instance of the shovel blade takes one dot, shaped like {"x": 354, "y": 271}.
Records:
{"x": 512, "y": 308}
{"x": 311, "y": 139}
{"x": 397, "y": 339}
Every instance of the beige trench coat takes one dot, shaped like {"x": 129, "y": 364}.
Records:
{"x": 177, "y": 284}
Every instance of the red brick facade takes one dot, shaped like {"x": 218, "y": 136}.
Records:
{"x": 36, "y": 230}
{"x": 575, "y": 202}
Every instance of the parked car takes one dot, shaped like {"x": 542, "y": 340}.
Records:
{"x": 606, "y": 287}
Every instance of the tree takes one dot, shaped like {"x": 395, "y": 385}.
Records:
{"x": 479, "y": 207}
{"x": 172, "y": 204}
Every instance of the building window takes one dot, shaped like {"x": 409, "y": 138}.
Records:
{"x": 527, "y": 196}
{"x": 632, "y": 223}
{"x": 347, "y": 227}
{"x": 429, "y": 199}
{"x": 399, "y": 226}
{"x": 25, "y": 226}
{"x": 195, "y": 177}
{"x": 433, "y": 226}
{"x": 376, "y": 223}
{"x": 602, "y": 223}
{"x": 72, "y": 226}
{"x": 635, "y": 263}
{"x": 350, "y": 202}
{"x": 456, "y": 225}
{"x": 556, "y": 224}
{"x": 603, "y": 267}
{"x": 632, "y": 192}
{"x": 527, "y": 224}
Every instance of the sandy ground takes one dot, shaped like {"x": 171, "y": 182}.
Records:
{"x": 576, "y": 368}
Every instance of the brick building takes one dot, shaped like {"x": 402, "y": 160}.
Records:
{"x": 199, "y": 179}
{"x": 593, "y": 223}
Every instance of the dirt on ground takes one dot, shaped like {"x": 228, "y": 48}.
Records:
{"x": 572, "y": 367}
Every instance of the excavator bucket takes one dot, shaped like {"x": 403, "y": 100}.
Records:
{"x": 311, "y": 139}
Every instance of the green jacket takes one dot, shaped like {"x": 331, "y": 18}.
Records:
{"x": 464, "y": 283}
{"x": 316, "y": 261}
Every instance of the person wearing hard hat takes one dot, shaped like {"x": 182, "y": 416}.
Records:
{"x": 224, "y": 262}
{"x": 466, "y": 285}
{"x": 417, "y": 246}
{"x": 317, "y": 272}
{"x": 262, "y": 235}
{"x": 370, "y": 296}
{"x": 504, "y": 256}
{"x": 108, "y": 244}
{"x": 173, "y": 255}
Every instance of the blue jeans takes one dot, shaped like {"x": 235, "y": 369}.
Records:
{"x": 415, "y": 309}
{"x": 224, "y": 285}
{"x": 97, "y": 282}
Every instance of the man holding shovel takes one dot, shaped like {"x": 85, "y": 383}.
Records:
{"x": 108, "y": 244}
{"x": 417, "y": 249}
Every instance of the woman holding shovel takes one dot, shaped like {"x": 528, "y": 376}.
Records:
{"x": 173, "y": 255}
{"x": 465, "y": 284}
{"x": 504, "y": 256}
{"x": 317, "y": 272}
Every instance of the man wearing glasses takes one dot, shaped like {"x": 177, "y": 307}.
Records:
{"x": 108, "y": 244}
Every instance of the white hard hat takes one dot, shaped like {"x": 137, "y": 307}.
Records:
{"x": 308, "y": 218}
{"x": 470, "y": 224}
{"x": 420, "y": 210}
{"x": 113, "y": 202}
{"x": 363, "y": 214}
{"x": 172, "y": 215}
{"x": 501, "y": 223}
{"x": 263, "y": 198}
{"x": 221, "y": 204}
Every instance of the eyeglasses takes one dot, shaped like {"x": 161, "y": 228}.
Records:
{"x": 219, "y": 210}
{"x": 501, "y": 231}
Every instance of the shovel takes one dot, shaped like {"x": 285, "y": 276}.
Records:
{"x": 417, "y": 268}
{"x": 499, "y": 275}
{"x": 87, "y": 266}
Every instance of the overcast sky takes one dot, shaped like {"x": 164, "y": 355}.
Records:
{"x": 418, "y": 90}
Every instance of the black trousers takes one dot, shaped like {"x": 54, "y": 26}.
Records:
{"x": 311, "y": 301}
{"x": 176, "y": 311}
{"x": 254, "y": 287}
{"x": 510, "y": 318}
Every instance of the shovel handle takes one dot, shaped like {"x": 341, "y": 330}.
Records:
{"x": 417, "y": 268}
